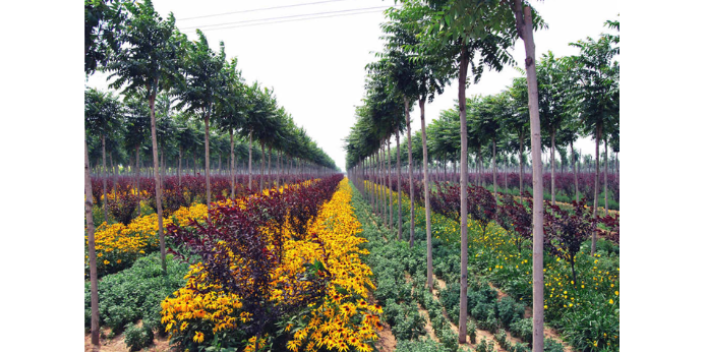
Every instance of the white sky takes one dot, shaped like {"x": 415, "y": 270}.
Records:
{"x": 317, "y": 66}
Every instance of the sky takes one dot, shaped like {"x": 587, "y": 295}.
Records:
{"x": 317, "y": 66}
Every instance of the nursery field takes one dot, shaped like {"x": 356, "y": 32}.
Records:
{"x": 214, "y": 222}
{"x": 332, "y": 273}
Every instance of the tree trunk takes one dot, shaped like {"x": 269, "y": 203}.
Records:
{"x": 382, "y": 173}
{"x": 207, "y": 158}
{"x": 493, "y": 160}
{"x": 398, "y": 186}
{"x": 520, "y": 163}
{"x": 410, "y": 170}
{"x": 464, "y": 62}
{"x": 139, "y": 195}
{"x": 596, "y": 187}
{"x": 268, "y": 170}
{"x": 574, "y": 170}
{"x": 90, "y": 228}
{"x": 105, "y": 183}
{"x": 278, "y": 167}
{"x": 426, "y": 189}
{"x": 523, "y": 168}
{"x": 552, "y": 166}
{"x": 496, "y": 176}
{"x": 157, "y": 181}
{"x": 180, "y": 153}
{"x": 524, "y": 25}
{"x": 262, "y": 164}
{"x": 390, "y": 190}
{"x": 232, "y": 165}
{"x": 250, "y": 160}
{"x": 606, "y": 175}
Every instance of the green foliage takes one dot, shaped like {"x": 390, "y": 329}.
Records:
{"x": 509, "y": 311}
{"x": 523, "y": 329}
{"x": 406, "y": 322}
{"x": 420, "y": 346}
{"x": 552, "y": 346}
{"x": 483, "y": 346}
{"x": 136, "y": 293}
{"x": 137, "y": 338}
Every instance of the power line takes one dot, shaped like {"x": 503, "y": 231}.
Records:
{"x": 283, "y": 21}
{"x": 259, "y": 9}
{"x": 286, "y": 17}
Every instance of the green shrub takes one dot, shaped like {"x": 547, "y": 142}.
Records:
{"x": 523, "y": 329}
{"x": 510, "y": 311}
{"x": 552, "y": 346}
{"x": 482, "y": 311}
{"x": 420, "y": 346}
{"x": 483, "y": 346}
{"x": 472, "y": 331}
{"x": 136, "y": 293}
{"x": 137, "y": 338}
{"x": 520, "y": 347}
{"x": 449, "y": 339}
{"x": 502, "y": 339}
{"x": 491, "y": 324}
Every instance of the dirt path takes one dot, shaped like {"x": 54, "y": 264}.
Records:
{"x": 387, "y": 340}
{"x": 117, "y": 343}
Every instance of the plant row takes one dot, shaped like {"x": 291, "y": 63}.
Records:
{"x": 584, "y": 310}
{"x": 118, "y": 245}
{"x": 284, "y": 271}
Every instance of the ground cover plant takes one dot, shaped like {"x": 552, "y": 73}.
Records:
{"x": 494, "y": 256}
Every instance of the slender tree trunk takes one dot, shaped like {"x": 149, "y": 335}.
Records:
{"x": 596, "y": 187}
{"x": 552, "y": 166}
{"x": 493, "y": 160}
{"x": 524, "y": 26}
{"x": 496, "y": 179}
{"x": 268, "y": 170}
{"x": 398, "y": 185}
{"x": 390, "y": 190}
{"x": 250, "y": 160}
{"x": 520, "y": 157}
{"x": 207, "y": 158}
{"x": 464, "y": 62}
{"x": 426, "y": 189}
{"x": 157, "y": 181}
{"x": 139, "y": 195}
{"x": 105, "y": 183}
{"x": 574, "y": 170}
{"x": 278, "y": 167}
{"x": 262, "y": 164}
{"x": 90, "y": 229}
{"x": 382, "y": 183}
{"x": 606, "y": 175}
{"x": 232, "y": 164}
{"x": 520, "y": 162}
{"x": 410, "y": 170}
{"x": 180, "y": 153}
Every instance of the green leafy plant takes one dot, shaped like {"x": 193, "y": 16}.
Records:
{"x": 137, "y": 337}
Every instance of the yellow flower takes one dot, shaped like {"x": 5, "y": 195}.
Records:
{"x": 198, "y": 338}
{"x": 616, "y": 293}
{"x": 106, "y": 262}
{"x": 611, "y": 301}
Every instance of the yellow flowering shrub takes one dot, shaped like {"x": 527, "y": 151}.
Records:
{"x": 319, "y": 285}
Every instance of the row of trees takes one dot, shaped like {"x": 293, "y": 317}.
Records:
{"x": 162, "y": 73}
{"x": 430, "y": 42}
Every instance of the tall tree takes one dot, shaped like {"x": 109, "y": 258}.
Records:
{"x": 425, "y": 78}
{"x": 149, "y": 61}
{"x": 525, "y": 25}
{"x": 204, "y": 86}
{"x": 102, "y": 114}
{"x": 595, "y": 76}
{"x": 136, "y": 134}
{"x": 465, "y": 32}
{"x": 230, "y": 111}
{"x": 552, "y": 87}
